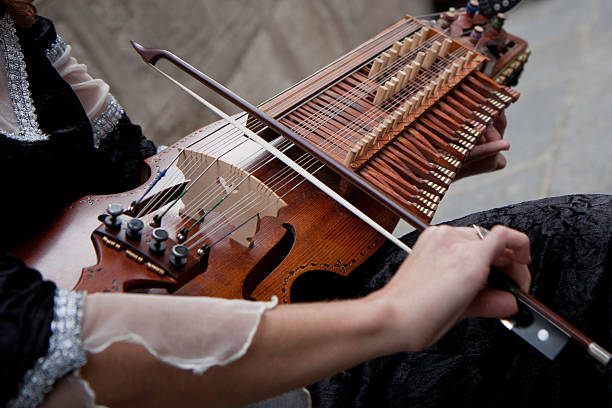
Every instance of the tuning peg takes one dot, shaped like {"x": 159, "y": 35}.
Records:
{"x": 178, "y": 256}
{"x": 134, "y": 229}
{"x": 112, "y": 220}
{"x": 157, "y": 246}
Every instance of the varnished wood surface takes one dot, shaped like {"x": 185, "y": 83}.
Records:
{"x": 323, "y": 236}
{"x": 327, "y": 237}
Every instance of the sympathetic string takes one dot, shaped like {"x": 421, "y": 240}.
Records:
{"x": 327, "y": 113}
{"x": 162, "y": 198}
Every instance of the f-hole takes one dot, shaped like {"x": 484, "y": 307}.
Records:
{"x": 269, "y": 262}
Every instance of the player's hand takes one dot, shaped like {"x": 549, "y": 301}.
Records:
{"x": 444, "y": 280}
{"x": 487, "y": 155}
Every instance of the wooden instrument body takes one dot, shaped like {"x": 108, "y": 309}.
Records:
{"x": 321, "y": 235}
{"x": 311, "y": 233}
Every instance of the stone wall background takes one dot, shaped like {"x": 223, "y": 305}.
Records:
{"x": 255, "y": 47}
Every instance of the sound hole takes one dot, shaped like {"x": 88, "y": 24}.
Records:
{"x": 315, "y": 286}
{"x": 269, "y": 262}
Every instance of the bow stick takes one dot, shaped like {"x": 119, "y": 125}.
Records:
{"x": 545, "y": 330}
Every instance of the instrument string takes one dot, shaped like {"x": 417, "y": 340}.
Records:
{"x": 400, "y": 98}
{"x": 411, "y": 24}
{"x": 382, "y": 76}
{"x": 294, "y": 127}
{"x": 202, "y": 173}
{"x": 266, "y": 183}
{"x": 407, "y": 28}
{"x": 393, "y": 101}
{"x": 167, "y": 183}
{"x": 317, "y": 169}
{"x": 232, "y": 179}
{"x": 164, "y": 198}
{"x": 211, "y": 232}
{"x": 199, "y": 201}
{"x": 194, "y": 143}
{"x": 396, "y": 97}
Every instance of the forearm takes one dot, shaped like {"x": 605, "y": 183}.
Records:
{"x": 294, "y": 345}
{"x": 300, "y": 344}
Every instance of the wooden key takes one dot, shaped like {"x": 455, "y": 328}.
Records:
{"x": 408, "y": 70}
{"x": 397, "y": 46}
{"x": 385, "y": 58}
{"x": 403, "y": 79}
{"x": 396, "y": 85}
{"x": 440, "y": 119}
{"x": 463, "y": 111}
{"x": 380, "y": 93}
{"x": 387, "y": 126}
{"x": 461, "y": 63}
{"x": 409, "y": 106}
{"x": 425, "y": 33}
{"x": 416, "y": 66}
{"x": 350, "y": 157}
{"x": 469, "y": 56}
{"x": 407, "y": 170}
{"x": 418, "y": 39}
{"x": 409, "y": 155}
{"x": 377, "y": 180}
{"x": 376, "y": 67}
{"x": 454, "y": 69}
{"x": 434, "y": 86}
{"x": 440, "y": 144}
{"x": 420, "y": 57}
{"x": 445, "y": 48}
{"x": 420, "y": 96}
{"x": 392, "y": 162}
{"x": 422, "y": 127}
{"x": 389, "y": 93}
{"x": 393, "y": 56}
{"x": 445, "y": 76}
{"x": 432, "y": 54}
{"x": 406, "y": 47}
{"x": 420, "y": 140}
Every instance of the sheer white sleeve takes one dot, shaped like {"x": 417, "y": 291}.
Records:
{"x": 192, "y": 333}
{"x": 91, "y": 92}
{"x": 101, "y": 107}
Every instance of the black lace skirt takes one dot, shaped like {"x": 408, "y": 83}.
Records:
{"x": 479, "y": 362}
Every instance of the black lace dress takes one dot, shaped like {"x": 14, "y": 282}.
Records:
{"x": 480, "y": 363}
{"x": 50, "y": 163}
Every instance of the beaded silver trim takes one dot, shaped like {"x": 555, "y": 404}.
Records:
{"x": 56, "y": 50}
{"x": 107, "y": 120}
{"x": 18, "y": 84}
{"x": 65, "y": 350}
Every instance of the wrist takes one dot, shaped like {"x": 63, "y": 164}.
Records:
{"x": 396, "y": 327}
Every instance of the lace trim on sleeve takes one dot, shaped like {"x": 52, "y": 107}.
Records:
{"x": 56, "y": 50}
{"x": 65, "y": 350}
{"x": 107, "y": 120}
{"x": 18, "y": 84}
